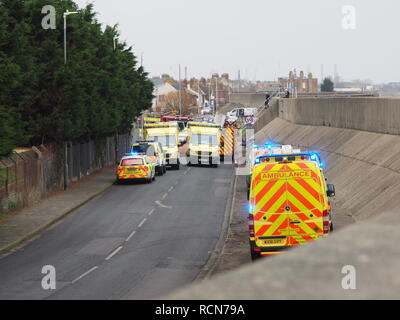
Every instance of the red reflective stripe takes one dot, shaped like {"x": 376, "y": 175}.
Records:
{"x": 262, "y": 230}
{"x": 265, "y": 189}
{"x": 271, "y": 219}
{"x": 268, "y": 167}
{"x": 295, "y": 242}
{"x": 302, "y": 165}
{"x": 273, "y": 199}
{"x": 299, "y": 197}
{"x": 310, "y": 189}
{"x": 284, "y": 225}
{"x": 285, "y": 168}
{"x": 303, "y": 217}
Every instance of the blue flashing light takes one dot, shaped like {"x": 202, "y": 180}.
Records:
{"x": 321, "y": 165}
{"x": 250, "y": 208}
{"x": 255, "y": 147}
{"x": 268, "y": 146}
{"x": 257, "y": 160}
{"x": 314, "y": 157}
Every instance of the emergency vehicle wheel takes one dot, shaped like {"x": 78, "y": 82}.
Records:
{"x": 164, "y": 168}
{"x": 160, "y": 171}
{"x": 255, "y": 255}
{"x": 248, "y": 180}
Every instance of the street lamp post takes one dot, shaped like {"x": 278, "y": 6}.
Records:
{"x": 66, "y": 14}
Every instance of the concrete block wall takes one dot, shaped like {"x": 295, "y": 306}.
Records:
{"x": 253, "y": 100}
{"x": 361, "y": 113}
{"x": 372, "y": 114}
{"x": 267, "y": 115}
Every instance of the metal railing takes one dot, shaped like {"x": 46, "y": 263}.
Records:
{"x": 30, "y": 175}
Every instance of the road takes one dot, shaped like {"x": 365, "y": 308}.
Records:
{"x": 135, "y": 241}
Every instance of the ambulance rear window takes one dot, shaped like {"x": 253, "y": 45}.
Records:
{"x": 132, "y": 162}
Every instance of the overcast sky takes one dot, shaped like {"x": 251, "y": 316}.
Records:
{"x": 262, "y": 38}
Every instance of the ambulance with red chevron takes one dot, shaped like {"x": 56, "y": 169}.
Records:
{"x": 288, "y": 202}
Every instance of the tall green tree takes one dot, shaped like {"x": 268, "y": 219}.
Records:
{"x": 97, "y": 93}
{"x": 327, "y": 85}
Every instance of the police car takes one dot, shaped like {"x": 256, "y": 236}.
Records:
{"x": 134, "y": 166}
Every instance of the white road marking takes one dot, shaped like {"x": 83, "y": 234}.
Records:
{"x": 151, "y": 212}
{"x": 84, "y": 274}
{"x": 170, "y": 189}
{"x": 162, "y": 206}
{"x": 164, "y": 196}
{"x": 141, "y": 223}
{"x": 130, "y": 236}
{"x": 112, "y": 254}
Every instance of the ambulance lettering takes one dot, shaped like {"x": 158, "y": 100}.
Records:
{"x": 285, "y": 175}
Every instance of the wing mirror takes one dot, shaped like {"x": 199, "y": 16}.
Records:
{"x": 330, "y": 190}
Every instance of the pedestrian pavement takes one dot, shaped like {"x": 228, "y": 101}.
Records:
{"x": 29, "y": 222}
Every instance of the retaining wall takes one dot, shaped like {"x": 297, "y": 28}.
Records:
{"x": 365, "y": 168}
{"x": 358, "y": 139}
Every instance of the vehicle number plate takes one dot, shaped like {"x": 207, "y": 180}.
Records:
{"x": 274, "y": 242}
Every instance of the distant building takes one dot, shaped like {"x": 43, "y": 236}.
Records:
{"x": 225, "y": 76}
{"x": 300, "y": 83}
{"x": 162, "y": 87}
{"x": 198, "y": 93}
{"x": 195, "y": 93}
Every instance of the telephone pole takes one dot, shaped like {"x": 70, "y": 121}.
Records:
{"x": 180, "y": 93}
{"x": 216, "y": 96}
{"x": 239, "y": 81}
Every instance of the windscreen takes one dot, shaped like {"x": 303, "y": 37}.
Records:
{"x": 143, "y": 148}
{"x": 181, "y": 125}
{"x": 166, "y": 141}
{"x": 132, "y": 162}
{"x": 209, "y": 139}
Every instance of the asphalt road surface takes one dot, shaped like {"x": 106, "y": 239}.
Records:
{"x": 136, "y": 241}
